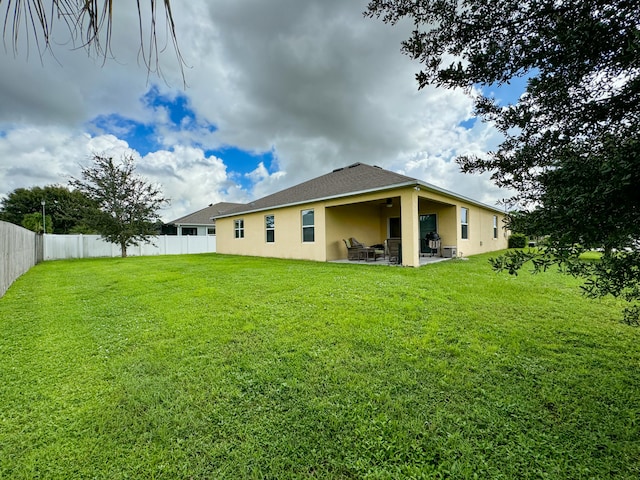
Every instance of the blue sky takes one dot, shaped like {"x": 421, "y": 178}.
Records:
{"x": 276, "y": 94}
{"x": 147, "y": 137}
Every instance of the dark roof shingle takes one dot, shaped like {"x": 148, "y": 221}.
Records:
{"x": 204, "y": 216}
{"x": 358, "y": 177}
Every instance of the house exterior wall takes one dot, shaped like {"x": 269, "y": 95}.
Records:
{"x": 287, "y": 234}
{"x": 358, "y": 216}
{"x": 480, "y": 227}
{"x": 365, "y": 217}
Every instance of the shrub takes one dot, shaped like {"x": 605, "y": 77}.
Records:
{"x": 517, "y": 240}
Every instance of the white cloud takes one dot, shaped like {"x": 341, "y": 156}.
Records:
{"x": 313, "y": 82}
{"x": 264, "y": 182}
{"x": 190, "y": 179}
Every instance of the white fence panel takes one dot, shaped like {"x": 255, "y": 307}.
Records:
{"x": 58, "y": 247}
{"x": 20, "y": 250}
{"x": 95, "y": 246}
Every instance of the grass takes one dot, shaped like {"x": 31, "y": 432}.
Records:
{"x": 210, "y": 366}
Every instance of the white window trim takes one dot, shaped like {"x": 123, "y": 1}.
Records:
{"x": 312, "y": 227}
{"x": 238, "y": 228}
{"x": 464, "y": 223}
{"x": 269, "y": 229}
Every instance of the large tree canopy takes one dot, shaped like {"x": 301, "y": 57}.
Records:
{"x": 571, "y": 144}
{"x": 127, "y": 205}
{"x": 89, "y": 23}
{"x": 64, "y": 208}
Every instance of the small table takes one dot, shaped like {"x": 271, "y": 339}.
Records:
{"x": 370, "y": 253}
{"x": 367, "y": 253}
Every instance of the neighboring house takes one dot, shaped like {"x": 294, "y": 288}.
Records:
{"x": 310, "y": 220}
{"x": 201, "y": 222}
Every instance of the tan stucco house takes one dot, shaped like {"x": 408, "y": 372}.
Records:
{"x": 310, "y": 220}
{"x": 201, "y": 222}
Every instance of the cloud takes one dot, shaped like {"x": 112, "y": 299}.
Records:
{"x": 42, "y": 155}
{"x": 190, "y": 179}
{"x": 323, "y": 87}
{"x": 278, "y": 92}
{"x": 187, "y": 176}
{"x": 264, "y": 182}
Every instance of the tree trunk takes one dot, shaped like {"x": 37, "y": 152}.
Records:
{"x": 123, "y": 249}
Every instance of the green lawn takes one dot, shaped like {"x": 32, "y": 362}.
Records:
{"x": 209, "y": 366}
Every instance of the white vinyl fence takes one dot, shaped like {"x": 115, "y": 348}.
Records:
{"x": 58, "y": 247}
{"x": 21, "y": 249}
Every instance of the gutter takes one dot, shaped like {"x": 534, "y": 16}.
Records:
{"x": 461, "y": 197}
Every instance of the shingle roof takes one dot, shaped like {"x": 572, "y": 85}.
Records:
{"x": 358, "y": 177}
{"x": 204, "y": 216}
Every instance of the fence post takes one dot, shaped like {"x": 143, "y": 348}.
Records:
{"x": 39, "y": 248}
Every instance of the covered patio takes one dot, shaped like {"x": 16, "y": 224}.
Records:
{"x": 378, "y": 218}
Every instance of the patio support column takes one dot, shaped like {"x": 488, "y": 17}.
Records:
{"x": 410, "y": 228}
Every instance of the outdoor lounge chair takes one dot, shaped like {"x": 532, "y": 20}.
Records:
{"x": 353, "y": 252}
{"x": 367, "y": 253}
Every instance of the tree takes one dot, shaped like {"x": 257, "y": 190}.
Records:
{"x": 33, "y": 222}
{"x": 127, "y": 206}
{"x": 89, "y": 24}
{"x": 571, "y": 144}
{"x": 65, "y": 207}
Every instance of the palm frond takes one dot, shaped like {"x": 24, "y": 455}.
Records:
{"x": 90, "y": 25}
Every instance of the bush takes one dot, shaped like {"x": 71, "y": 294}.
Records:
{"x": 33, "y": 222}
{"x": 517, "y": 240}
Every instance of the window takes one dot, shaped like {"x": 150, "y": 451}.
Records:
{"x": 308, "y": 226}
{"x": 270, "y": 228}
{"x": 495, "y": 226}
{"x": 239, "y": 228}
{"x": 189, "y": 231}
{"x": 211, "y": 230}
{"x": 464, "y": 222}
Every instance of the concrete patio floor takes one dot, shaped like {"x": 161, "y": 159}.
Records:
{"x": 424, "y": 260}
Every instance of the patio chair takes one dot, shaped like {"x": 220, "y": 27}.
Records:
{"x": 353, "y": 252}
{"x": 394, "y": 249}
